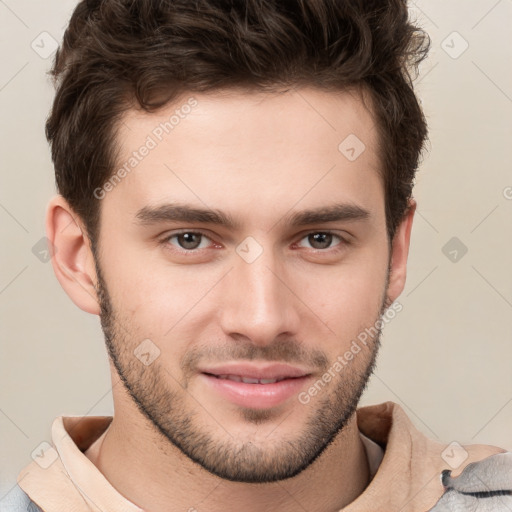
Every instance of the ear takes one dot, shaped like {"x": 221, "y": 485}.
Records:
{"x": 72, "y": 260}
{"x": 399, "y": 253}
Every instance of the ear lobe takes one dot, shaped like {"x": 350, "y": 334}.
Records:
{"x": 72, "y": 260}
{"x": 399, "y": 253}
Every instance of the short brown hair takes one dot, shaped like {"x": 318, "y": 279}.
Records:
{"x": 121, "y": 54}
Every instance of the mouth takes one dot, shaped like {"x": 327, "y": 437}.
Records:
{"x": 253, "y": 386}
{"x": 250, "y": 380}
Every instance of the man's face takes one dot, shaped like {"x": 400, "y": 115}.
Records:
{"x": 265, "y": 298}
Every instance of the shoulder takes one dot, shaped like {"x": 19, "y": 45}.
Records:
{"x": 483, "y": 485}
{"x": 431, "y": 470}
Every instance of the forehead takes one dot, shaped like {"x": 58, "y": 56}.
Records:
{"x": 234, "y": 146}
{"x": 257, "y": 119}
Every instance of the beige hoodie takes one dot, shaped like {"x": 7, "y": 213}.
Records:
{"x": 407, "y": 475}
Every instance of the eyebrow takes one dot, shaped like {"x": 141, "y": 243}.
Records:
{"x": 178, "y": 212}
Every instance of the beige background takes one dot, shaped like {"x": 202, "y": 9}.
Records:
{"x": 446, "y": 357}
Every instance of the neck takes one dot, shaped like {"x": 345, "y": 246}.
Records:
{"x": 153, "y": 474}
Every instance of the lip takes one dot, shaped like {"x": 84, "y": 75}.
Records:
{"x": 268, "y": 371}
{"x": 256, "y": 396}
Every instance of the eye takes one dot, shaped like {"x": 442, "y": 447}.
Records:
{"x": 191, "y": 241}
{"x": 188, "y": 240}
{"x": 322, "y": 240}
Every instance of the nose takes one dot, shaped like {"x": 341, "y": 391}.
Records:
{"x": 257, "y": 301}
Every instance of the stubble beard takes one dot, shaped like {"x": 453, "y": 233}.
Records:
{"x": 229, "y": 458}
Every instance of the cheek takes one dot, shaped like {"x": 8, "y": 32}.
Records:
{"x": 156, "y": 299}
{"x": 348, "y": 298}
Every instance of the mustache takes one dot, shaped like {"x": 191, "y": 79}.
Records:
{"x": 285, "y": 351}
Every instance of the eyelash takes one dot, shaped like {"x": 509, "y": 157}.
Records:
{"x": 343, "y": 241}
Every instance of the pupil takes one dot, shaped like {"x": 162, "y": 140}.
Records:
{"x": 189, "y": 242}
{"x": 323, "y": 238}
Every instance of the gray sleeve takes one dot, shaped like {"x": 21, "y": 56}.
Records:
{"x": 482, "y": 486}
{"x": 17, "y": 500}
